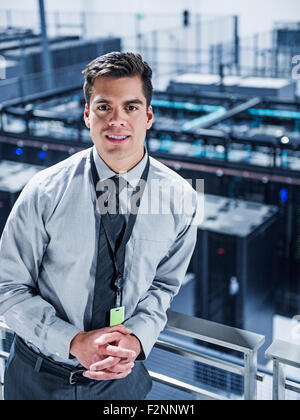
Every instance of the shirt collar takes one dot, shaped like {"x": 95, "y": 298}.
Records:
{"x": 132, "y": 177}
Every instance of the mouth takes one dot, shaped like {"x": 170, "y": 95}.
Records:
{"x": 117, "y": 139}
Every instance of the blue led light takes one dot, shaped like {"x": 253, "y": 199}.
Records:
{"x": 275, "y": 113}
{"x": 283, "y": 195}
{"x": 161, "y": 103}
{"x": 19, "y": 151}
{"x": 42, "y": 155}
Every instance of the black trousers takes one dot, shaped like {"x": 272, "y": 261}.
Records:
{"x": 24, "y": 381}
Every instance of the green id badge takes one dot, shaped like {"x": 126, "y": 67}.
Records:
{"x": 117, "y": 316}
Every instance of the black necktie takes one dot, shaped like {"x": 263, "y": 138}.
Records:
{"x": 104, "y": 291}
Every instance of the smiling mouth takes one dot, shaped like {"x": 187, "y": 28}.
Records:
{"x": 117, "y": 139}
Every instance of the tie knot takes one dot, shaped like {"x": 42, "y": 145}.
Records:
{"x": 120, "y": 183}
{"x": 106, "y": 185}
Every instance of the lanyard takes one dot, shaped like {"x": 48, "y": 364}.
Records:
{"x": 129, "y": 227}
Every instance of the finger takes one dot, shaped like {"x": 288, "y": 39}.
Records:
{"x": 109, "y": 338}
{"x": 121, "y": 367}
{"x": 105, "y": 375}
{"x": 97, "y": 358}
{"x": 109, "y": 362}
{"x": 115, "y": 351}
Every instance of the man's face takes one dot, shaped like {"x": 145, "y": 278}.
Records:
{"x": 118, "y": 119}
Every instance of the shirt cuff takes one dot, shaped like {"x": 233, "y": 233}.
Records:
{"x": 143, "y": 334}
{"x": 59, "y": 337}
{"x": 141, "y": 356}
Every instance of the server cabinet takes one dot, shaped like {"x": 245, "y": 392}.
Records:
{"x": 235, "y": 265}
{"x": 13, "y": 177}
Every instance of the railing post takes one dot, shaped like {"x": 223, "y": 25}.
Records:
{"x": 283, "y": 354}
{"x": 278, "y": 380}
{"x": 236, "y": 40}
{"x": 47, "y": 63}
{"x": 250, "y": 367}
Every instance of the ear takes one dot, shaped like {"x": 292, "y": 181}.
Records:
{"x": 150, "y": 117}
{"x": 87, "y": 116}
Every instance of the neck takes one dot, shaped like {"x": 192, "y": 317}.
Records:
{"x": 120, "y": 166}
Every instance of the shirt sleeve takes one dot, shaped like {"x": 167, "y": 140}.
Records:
{"x": 150, "y": 316}
{"x": 22, "y": 246}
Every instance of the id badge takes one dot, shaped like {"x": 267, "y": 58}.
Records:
{"x": 117, "y": 316}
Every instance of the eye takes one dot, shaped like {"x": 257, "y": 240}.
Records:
{"x": 132, "y": 108}
{"x": 103, "y": 107}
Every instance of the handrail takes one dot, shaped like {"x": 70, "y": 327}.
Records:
{"x": 213, "y": 332}
{"x": 283, "y": 354}
{"x": 243, "y": 341}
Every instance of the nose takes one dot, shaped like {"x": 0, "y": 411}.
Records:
{"x": 117, "y": 118}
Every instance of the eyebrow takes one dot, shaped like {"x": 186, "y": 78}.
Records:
{"x": 131, "y": 101}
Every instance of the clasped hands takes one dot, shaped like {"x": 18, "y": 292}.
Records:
{"x": 107, "y": 353}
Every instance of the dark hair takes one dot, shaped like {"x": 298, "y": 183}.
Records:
{"x": 118, "y": 64}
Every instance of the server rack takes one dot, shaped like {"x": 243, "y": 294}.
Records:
{"x": 65, "y": 52}
{"x": 235, "y": 264}
{"x": 248, "y": 86}
{"x": 13, "y": 177}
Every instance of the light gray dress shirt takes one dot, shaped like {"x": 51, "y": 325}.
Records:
{"x": 48, "y": 253}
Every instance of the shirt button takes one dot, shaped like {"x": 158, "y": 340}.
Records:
{"x": 30, "y": 341}
{"x": 57, "y": 354}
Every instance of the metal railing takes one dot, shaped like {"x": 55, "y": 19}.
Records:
{"x": 283, "y": 354}
{"x": 221, "y": 335}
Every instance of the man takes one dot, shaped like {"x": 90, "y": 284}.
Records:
{"x": 85, "y": 291}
